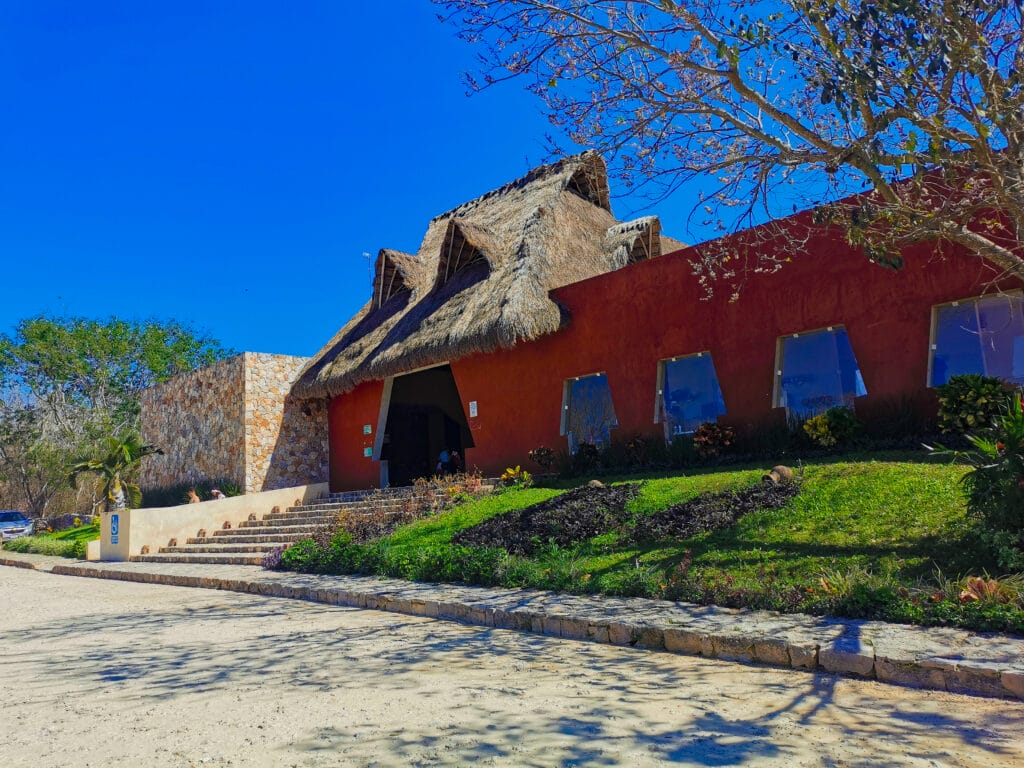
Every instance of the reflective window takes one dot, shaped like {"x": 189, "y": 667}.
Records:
{"x": 817, "y": 371}
{"x": 984, "y": 336}
{"x": 689, "y": 394}
{"x": 589, "y": 412}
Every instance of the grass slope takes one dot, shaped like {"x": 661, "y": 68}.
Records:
{"x": 863, "y": 539}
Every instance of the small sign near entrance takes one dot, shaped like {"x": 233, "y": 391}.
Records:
{"x": 367, "y": 429}
{"x": 368, "y": 452}
{"x": 472, "y": 409}
{"x": 115, "y": 528}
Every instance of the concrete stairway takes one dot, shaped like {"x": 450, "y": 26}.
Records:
{"x": 249, "y": 541}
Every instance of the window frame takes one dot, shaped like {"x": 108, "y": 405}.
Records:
{"x": 780, "y": 343}
{"x": 659, "y": 391}
{"x": 563, "y": 430}
{"x": 933, "y": 331}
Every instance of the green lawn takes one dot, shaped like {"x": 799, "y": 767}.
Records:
{"x": 879, "y": 538}
{"x": 67, "y": 543}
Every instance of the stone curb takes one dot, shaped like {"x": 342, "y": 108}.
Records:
{"x": 936, "y": 658}
{"x": 22, "y": 561}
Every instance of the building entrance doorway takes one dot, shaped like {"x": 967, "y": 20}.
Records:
{"x": 425, "y": 417}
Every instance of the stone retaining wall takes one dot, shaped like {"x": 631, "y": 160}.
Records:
{"x": 197, "y": 420}
{"x": 235, "y": 421}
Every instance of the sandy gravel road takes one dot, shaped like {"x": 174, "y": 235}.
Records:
{"x": 107, "y": 673}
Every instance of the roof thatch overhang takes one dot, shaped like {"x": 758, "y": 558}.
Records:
{"x": 482, "y": 276}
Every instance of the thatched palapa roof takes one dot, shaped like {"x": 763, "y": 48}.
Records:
{"x": 482, "y": 276}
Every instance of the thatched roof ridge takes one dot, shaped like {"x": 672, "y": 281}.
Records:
{"x": 632, "y": 241}
{"x": 394, "y": 272}
{"x": 464, "y": 244}
{"x": 482, "y": 277}
{"x": 584, "y": 174}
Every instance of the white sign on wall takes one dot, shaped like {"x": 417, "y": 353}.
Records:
{"x": 472, "y": 409}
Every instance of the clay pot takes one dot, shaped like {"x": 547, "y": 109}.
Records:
{"x": 778, "y": 474}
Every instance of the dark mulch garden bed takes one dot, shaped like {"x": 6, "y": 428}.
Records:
{"x": 711, "y": 511}
{"x": 567, "y": 519}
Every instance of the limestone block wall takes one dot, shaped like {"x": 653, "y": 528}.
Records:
{"x": 234, "y": 420}
{"x": 285, "y": 441}
{"x": 197, "y": 420}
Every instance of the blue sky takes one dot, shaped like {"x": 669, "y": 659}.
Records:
{"x": 228, "y": 164}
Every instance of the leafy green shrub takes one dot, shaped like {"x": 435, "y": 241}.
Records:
{"x": 835, "y": 426}
{"x": 969, "y": 402}
{"x": 47, "y": 545}
{"x": 516, "y": 477}
{"x": 305, "y": 556}
{"x": 995, "y": 485}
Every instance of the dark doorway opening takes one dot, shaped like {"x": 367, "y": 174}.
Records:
{"x": 425, "y": 417}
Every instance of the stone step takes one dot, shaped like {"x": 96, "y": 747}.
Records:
{"x": 299, "y": 515}
{"x": 229, "y": 558}
{"x": 267, "y": 529}
{"x": 215, "y": 548}
{"x": 288, "y": 519}
{"x": 360, "y": 495}
{"x": 316, "y": 507}
{"x": 260, "y": 539}
{"x": 309, "y": 521}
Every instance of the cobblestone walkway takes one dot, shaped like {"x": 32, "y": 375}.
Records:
{"x": 938, "y": 658}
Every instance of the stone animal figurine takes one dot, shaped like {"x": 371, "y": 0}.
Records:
{"x": 172, "y": 543}
{"x": 201, "y": 534}
{"x": 275, "y": 510}
{"x": 227, "y": 525}
{"x": 252, "y": 517}
{"x": 145, "y": 549}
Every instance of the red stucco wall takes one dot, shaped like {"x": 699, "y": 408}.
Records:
{"x": 347, "y": 416}
{"x": 624, "y": 322}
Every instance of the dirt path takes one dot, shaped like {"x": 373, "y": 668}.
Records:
{"x": 106, "y": 673}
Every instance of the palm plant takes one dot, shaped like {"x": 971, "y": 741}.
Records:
{"x": 121, "y": 455}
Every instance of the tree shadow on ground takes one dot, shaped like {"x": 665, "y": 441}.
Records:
{"x": 241, "y": 643}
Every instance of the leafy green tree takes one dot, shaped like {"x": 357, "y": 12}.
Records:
{"x": 914, "y": 106}
{"x": 66, "y": 384}
{"x": 114, "y": 467}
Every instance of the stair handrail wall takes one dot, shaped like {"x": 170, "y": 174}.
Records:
{"x": 156, "y": 526}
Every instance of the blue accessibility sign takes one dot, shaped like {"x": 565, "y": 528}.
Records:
{"x": 115, "y": 527}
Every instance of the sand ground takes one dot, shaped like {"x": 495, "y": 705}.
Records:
{"x": 107, "y": 673}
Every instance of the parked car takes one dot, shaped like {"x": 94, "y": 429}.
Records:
{"x": 13, "y": 525}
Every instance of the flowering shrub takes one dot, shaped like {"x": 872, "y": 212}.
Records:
{"x": 833, "y": 427}
{"x": 272, "y": 560}
{"x": 712, "y": 440}
{"x": 969, "y": 402}
{"x": 382, "y": 513}
{"x": 995, "y": 485}
{"x": 542, "y": 457}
